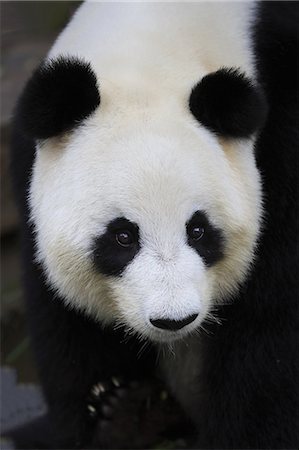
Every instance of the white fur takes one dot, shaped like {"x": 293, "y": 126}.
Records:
{"x": 143, "y": 156}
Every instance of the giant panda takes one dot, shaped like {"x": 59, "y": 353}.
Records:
{"x": 154, "y": 162}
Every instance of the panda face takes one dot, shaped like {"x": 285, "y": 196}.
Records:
{"x": 145, "y": 221}
{"x": 161, "y": 267}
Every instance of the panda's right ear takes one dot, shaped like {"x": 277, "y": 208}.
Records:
{"x": 59, "y": 95}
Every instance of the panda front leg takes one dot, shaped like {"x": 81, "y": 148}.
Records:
{"x": 74, "y": 354}
{"x": 137, "y": 415}
{"x": 91, "y": 408}
{"x": 120, "y": 410}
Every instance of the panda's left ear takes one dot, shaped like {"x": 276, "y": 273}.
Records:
{"x": 59, "y": 95}
{"x": 228, "y": 103}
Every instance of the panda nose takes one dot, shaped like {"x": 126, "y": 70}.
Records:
{"x": 173, "y": 325}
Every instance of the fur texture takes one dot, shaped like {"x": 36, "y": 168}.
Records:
{"x": 142, "y": 156}
{"x": 59, "y": 95}
{"x": 227, "y": 103}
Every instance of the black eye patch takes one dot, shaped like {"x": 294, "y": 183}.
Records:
{"x": 228, "y": 103}
{"x": 116, "y": 248}
{"x": 205, "y": 238}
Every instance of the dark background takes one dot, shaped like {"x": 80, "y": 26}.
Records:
{"x": 28, "y": 30}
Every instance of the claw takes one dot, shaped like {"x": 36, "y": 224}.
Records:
{"x": 116, "y": 382}
{"x": 92, "y": 411}
{"x": 98, "y": 389}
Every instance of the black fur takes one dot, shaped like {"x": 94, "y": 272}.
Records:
{"x": 60, "y": 94}
{"x": 109, "y": 257}
{"x": 250, "y": 364}
{"x": 211, "y": 246}
{"x": 227, "y": 103}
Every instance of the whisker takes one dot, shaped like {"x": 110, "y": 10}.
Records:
{"x": 159, "y": 350}
{"x": 212, "y": 318}
{"x": 142, "y": 349}
{"x": 171, "y": 349}
{"x": 202, "y": 328}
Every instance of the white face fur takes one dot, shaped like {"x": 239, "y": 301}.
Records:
{"x": 156, "y": 176}
{"x": 143, "y": 157}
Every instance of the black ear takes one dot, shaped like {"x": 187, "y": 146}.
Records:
{"x": 228, "y": 103}
{"x": 60, "y": 94}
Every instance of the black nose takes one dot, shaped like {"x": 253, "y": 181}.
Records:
{"x": 169, "y": 324}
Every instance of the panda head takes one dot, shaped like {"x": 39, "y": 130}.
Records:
{"x": 146, "y": 209}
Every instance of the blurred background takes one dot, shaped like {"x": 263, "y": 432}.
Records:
{"x": 28, "y": 29}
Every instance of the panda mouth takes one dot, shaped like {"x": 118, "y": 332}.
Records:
{"x": 170, "y": 336}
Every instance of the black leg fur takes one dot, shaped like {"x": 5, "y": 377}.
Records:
{"x": 250, "y": 366}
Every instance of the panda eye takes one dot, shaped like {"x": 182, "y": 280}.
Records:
{"x": 205, "y": 238}
{"x": 196, "y": 233}
{"x": 124, "y": 238}
{"x": 113, "y": 250}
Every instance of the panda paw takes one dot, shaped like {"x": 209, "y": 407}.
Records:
{"x": 105, "y": 397}
{"x": 112, "y": 406}
{"x": 122, "y": 413}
